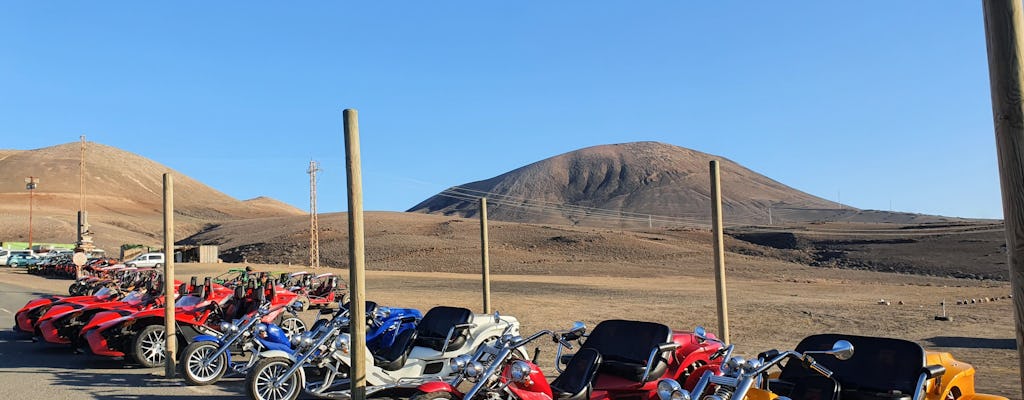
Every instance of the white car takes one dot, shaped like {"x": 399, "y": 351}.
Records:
{"x": 5, "y": 255}
{"x": 146, "y": 260}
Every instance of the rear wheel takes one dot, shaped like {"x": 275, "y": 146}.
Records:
{"x": 291, "y": 325}
{"x": 148, "y": 346}
{"x": 198, "y": 366}
{"x": 266, "y": 380}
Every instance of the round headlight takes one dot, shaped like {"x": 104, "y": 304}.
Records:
{"x": 294, "y": 340}
{"x": 669, "y": 389}
{"x": 520, "y": 371}
{"x": 474, "y": 369}
{"x": 752, "y": 364}
{"x": 732, "y": 366}
{"x": 234, "y": 328}
{"x": 342, "y": 343}
{"x": 261, "y": 329}
{"x": 459, "y": 363}
{"x": 225, "y": 326}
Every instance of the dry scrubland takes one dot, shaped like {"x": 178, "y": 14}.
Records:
{"x": 767, "y": 309}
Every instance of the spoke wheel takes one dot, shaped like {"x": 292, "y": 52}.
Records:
{"x": 199, "y": 368}
{"x": 149, "y": 346}
{"x": 292, "y": 326}
{"x": 260, "y": 382}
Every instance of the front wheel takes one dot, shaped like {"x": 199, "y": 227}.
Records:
{"x": 148, "y": 346}
{"x": 198, "y": 366}
{"x": 266, "y": 380}
{"x": 438, "y": 395}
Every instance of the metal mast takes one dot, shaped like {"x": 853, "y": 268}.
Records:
{"x": 314, "y": 225}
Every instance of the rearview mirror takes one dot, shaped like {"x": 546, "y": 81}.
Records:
{"x": 497, "y": 317}
{"x": 701, "y": 333}
{"x": 842, "y": 350}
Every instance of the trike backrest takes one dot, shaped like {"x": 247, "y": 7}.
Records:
{"x": 878, "y": 364}
{"x": 625, "y": 347}
{"x": 434, "y": 327}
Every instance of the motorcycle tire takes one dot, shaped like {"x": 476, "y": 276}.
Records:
{"x": 258, "y": 380}
{"x": 192, "y": 363}
{"x": 438, "y": 395}
{"x": 148, "y": 346}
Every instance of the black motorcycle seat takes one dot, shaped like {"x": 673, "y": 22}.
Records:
{"x": 574, "y": 382}
{"x": 626, "y": 345}
{"x": 434, "y": 327}
{"x": 879, "y": 366}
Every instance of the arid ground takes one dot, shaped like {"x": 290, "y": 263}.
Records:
{"x": 766, "y": 309}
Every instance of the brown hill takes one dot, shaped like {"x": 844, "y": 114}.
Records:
{"x": 641, "y": 184}
{"x": 630, "y": 184}
{"x": 124, "y": 197}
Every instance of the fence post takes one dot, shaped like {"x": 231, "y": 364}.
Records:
{"x": 719, "y": 248}
{"x": 356, "y": 254}
{"x": 484, "y": 259}
{"x": 1003, "y": 30}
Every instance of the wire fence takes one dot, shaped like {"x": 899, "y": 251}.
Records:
{"x": 504, "y": 206}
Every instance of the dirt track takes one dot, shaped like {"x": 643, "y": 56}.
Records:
{"x": 764, "y": 313}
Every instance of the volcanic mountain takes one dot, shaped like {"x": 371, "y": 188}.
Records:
{"x": 637, "y": 185}
{"x": 124, "y": 197}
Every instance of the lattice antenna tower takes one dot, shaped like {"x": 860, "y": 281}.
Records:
{"x": 314, "y": 225}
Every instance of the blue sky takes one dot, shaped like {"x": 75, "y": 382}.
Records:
{"x": 879, "y": 104}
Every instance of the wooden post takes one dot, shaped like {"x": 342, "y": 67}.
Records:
{"x": 356, "y": 254}
{"x": 1003, "y": 33}
{"x": 171, "y": 341}
{"x": 484, "y": 260}
{"x": 719, "y": 247}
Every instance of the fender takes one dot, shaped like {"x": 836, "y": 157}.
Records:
{"x": 439, "y": 386}
{"x": 205, "y": 338}
{"x": 278, "y": 353}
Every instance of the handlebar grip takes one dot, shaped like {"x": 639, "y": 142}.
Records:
{"x": 819, "y": 368}
{"x": 565, "y": 344}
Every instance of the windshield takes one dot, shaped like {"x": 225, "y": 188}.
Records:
{"x": 133, "y": 297}
{"x": 188, "y": 301}
{"x": 102, "y": 292}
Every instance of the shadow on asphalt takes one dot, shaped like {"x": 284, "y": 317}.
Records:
{"x": 973, "y": 343}
{"x": 100, "y": 377}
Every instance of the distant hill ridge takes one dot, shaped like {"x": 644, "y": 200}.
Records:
{"x": 124, "y": 196}
{"x": 638, "y": 184}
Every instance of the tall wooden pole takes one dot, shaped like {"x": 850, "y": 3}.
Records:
{"x": 719, "y": 245}
{"x": 356, "y": 254}
{"x": 485, "y": 262}
{"x": 1003, "y": 33}
{"x": 172, "y": 343}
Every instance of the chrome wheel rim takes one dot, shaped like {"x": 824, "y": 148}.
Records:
{"x": 153, "y": 347}
{"x": 265, "y": 388}
{"x": 202, "y": 367}
{"x": 292, "y": 326}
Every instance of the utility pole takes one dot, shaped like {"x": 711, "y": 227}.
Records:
{"x": 314, "y": 224}
{"x": 1004, "y": 37}
{"x": 84, "y": 243}
{"x": 770, "y": 215}
{"x": 31, "y": 183}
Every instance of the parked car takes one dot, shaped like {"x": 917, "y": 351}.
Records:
{"x": 22, "y": 260}
{"x": 6, "y": 255}
{"x": 147, "y": 260}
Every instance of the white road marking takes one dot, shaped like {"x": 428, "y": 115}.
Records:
{"x": 5, "y": 310}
